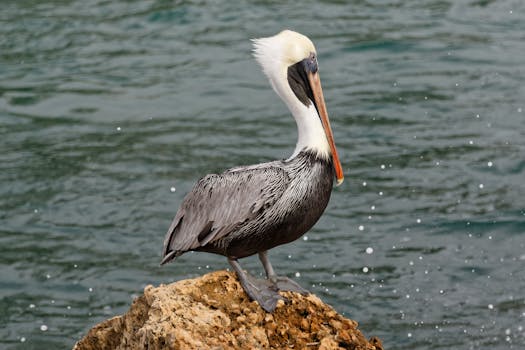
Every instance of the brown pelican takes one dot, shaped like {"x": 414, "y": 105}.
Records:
{"x": 248, "y": 210}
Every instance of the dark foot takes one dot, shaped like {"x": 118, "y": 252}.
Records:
{"x": 262, "y": 291}
{"x": 286, "y": 284}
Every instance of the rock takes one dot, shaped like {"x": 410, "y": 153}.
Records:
{"x": 213, "y": 312}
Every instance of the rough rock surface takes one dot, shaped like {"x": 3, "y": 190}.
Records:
{"x": 213, "y": 312}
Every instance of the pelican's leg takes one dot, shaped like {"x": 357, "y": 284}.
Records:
{"x": 262, "y": 291}
{"x": 270, "y": 273}
{"x": 281, "y": 282}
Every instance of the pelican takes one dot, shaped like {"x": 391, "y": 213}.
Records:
{"x": 248, "y": 210}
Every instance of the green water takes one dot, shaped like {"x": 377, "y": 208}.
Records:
{"x": 111, "y": 110}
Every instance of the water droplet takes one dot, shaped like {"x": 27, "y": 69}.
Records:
{"x": 43, "y": 328}
{"x": 305, "y": 238}
{"x": 118, "y": 128}
{"x": 409, "y": 335}
{"x": 369, "y": 250}
{"x": 373, "y": 207}
{"x": 31, "y": 306}
{"x": 90, "y": 289}
{"x": 418, "y": 221}
{"x": 481, "y": 186}
{"x": 365, "y": 269}
{"x": 382, "y": 166}
{"x": 490, "y": 306}
{"x": 23, "y": 339}
{"x": 172, "y": 189}
{"x": 297, "y": 274}
{"x": 361, "y": 227}
{"x": 364, "y": 183}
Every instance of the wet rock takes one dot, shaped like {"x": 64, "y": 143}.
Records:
{"x": 213, "y": 312}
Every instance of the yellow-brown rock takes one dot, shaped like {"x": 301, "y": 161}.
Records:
{"x": 213, "y": 312}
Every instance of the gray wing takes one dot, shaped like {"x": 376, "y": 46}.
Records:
{"x": 219, "y": 203}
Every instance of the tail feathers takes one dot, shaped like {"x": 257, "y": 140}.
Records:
{"x": 172, "y": 254}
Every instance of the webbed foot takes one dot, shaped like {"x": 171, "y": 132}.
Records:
{"x": 265, "y": 292}
{"x": 286, "y": 284}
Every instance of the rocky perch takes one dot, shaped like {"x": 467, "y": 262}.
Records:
{"x": 213, "y": 312}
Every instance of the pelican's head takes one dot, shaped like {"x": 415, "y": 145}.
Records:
{"x": 289, "y": 60}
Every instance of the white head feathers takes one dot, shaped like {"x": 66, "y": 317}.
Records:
{"x": 278, "y": 52}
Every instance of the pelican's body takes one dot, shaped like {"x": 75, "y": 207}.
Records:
{"x": 251, "y": 209}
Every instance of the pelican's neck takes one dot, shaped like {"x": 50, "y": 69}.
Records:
{"x": 310, "y": 132}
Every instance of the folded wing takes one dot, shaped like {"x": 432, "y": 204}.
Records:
{"x": 219, "y": 204}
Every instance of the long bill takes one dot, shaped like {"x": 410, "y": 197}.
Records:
{"x": 315, "y": 84}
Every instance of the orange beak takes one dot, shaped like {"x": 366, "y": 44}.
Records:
{"x": 315, "y": 84}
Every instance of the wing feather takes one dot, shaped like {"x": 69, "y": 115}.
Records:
{"x": 219, "y": 204}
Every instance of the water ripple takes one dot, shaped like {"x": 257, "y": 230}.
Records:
{"x": 110, "y": 110}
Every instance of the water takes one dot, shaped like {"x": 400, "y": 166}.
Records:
{"x": 111, "y": 110}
